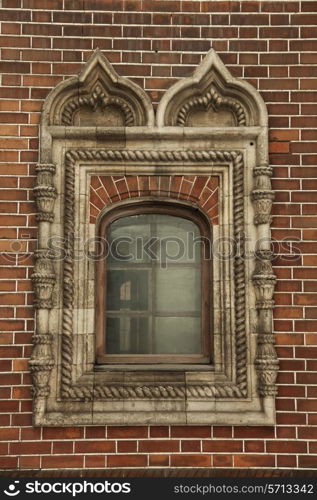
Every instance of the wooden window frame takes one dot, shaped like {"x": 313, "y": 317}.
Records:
{"x": 185, "y": 211}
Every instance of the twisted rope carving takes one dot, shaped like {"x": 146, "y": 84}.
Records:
{"x": 99, "y": 392}
{"x": 97, "y": 97}
{"x": 68, "y": 277}
{"x": 123, "y": 155}
{"x": 212, "y": 98}
{"x": 239, "y": 275}
{"x": 154, "y": 391}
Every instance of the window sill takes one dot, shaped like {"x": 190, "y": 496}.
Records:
{"x": 155, "y": 368}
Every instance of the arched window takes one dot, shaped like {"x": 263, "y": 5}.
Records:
{"x": 156, "y": 332}
{"x": 153, "y": 300}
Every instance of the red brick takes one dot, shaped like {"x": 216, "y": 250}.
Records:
{"x": 22, "y": 420}
{"x": 247, "y": 45}
{"x": 312, "y": 364}
{"x": 254, "y": 446}
{"x": 190, "y": 446}
{"x": 45, "y": 4}
{"x": 42, "y": 29}
{"x": 286, "y": 447}
{"x": 95, "y": 432}
{"x": 95, "y": 447}
{"x": 285, "y": 339}
{"x": 127, "y": 446}
{"x": 253, "y": 432}
{"x": 222, "y": 446}
{"x": 254, "y": 460}
{"x": 220, "y": 6}
{"x": 63, "y": 433}
{"x": 29, "y": 448}
{"x": 288, "y": 461}
{"x": 63, "y": 462}
{"x": 281, "y": 6}
{"x": 159, "y": 446}
{"x": 311, "y": 313}
{"x": 189, "y": 45}
{"x": 31, "y": 434}
{"x": 290, "y": 419}
{"x": 307, "y": 405}
{"x": 222, "y": 461}
{"x": 280, "y": 32}
{"x": 9, "y": 462}
{"x": 30, "y": 462}
{"x": 127, "y": 460}
{"x": 222, "y": 432}
{"x": 92, "y": 461}
{"x": 159, "y": 460}
{"x": 278, "y": 84}
{"x": 159, "y": 431}
{"x": 127, "y": 432}
{"x": 9, "y": 434}
{"x": 190, "y": 431}
{"x": 307, "y": 461}
{"x": 14, "y": 41}
{"x": 190, "y": 460}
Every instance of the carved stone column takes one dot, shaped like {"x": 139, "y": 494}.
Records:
{"x": 266, "y": 360}
{"x": 43, "y": 279}
{"x": 264, "y": 280}
{"x": 262, "y": 195}
{"x": 45, "y": 191}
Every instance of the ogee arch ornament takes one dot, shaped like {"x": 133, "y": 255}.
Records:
{"x": 100, "y": 124}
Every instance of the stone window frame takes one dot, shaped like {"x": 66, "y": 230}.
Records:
{"x": 68, "y": 390}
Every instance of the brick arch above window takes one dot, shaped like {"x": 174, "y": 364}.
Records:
{"x": 200, "y": 190}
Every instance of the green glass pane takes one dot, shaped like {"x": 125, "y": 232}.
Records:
{"x": 126, "y": 237}
{"x": 178, "y": 290}
{"x": 127, "y": 290}
{"x": 153, "y": 238}
{"x": 174, "y": 335}
{"x": 127, "y": 335}
{"x": 179, "y": 239}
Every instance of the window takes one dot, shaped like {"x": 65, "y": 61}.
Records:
{"x": 160, "y": 340}
{"x": 153, "y": 299}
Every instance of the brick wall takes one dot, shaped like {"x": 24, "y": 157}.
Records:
{"x": 272, "y": 45}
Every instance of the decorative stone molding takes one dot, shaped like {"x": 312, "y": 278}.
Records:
{"x": 263, "y": 278}
{"x": 69, "y": 388}
{"x": 211, "y": 99}
{"x": 97, "y": 98}
{"x": 98, "y": 86}
{"x": 211, "y": 85}
{"x": 267, "y": 365}
{"x": 45, "y": 192}
{"x": 221, "y": 390}
{"x": 263, "y": 201}
{"x": 40, "y": 368}
{"x": 43, "y": 279}
{"x": 266, "y": 360}
{"x": 262, "y": 194}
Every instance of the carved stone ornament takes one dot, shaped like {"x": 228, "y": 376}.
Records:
{"x": 45, "y": 192}
{"x": 43, "y": 279}
{"x": 211, "y": 87}
{"x": 99, "y": 97}
{"x": 99, "y": 124}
